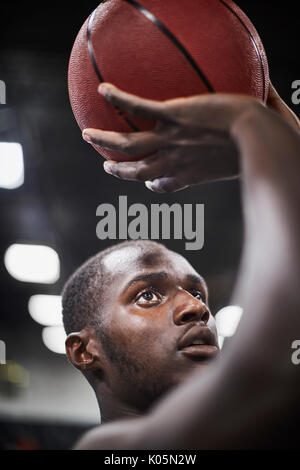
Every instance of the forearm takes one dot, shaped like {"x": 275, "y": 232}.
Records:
{"x": 120, "y": 435}
{"x": 270, "y": 168}
{"x": 268, "y": 285}
{"x": 256, "y": 383}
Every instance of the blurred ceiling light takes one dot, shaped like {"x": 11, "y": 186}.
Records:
{"x": 11, "y": 165}
{"x": 54, "y": 338}
{"x": 221, "y": 341}
{"x": 46, "y": 309}
{"x": 14, "y": 373}
{"x": 32, "y": 263}
{"x": 228, "y": 320}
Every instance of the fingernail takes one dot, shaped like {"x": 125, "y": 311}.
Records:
{"x": 103, "y": 89}
{"x": 108, "y": 167}
{"x": 86, "y": 137}
{"x": 155, "y": 186}
{"x": 149, "y": 185}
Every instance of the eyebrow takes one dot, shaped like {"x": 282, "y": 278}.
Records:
{"x": 147, "y": 277}
{"x": 164, "y": 275}
{"x": 196, "y": 279}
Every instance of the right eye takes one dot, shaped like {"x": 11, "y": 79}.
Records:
{"x": 148, "y": 298}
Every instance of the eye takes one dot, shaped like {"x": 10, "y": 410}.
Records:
{"x": 148, "y": 298}
{"x": 199, "y": 296}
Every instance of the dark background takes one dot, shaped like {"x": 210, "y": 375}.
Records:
{"x": 65, "y": 182}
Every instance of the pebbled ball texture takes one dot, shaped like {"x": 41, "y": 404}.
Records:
{"x": 134, "y": 53}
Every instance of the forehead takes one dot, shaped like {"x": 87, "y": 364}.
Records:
{"x": 128, "y": 262}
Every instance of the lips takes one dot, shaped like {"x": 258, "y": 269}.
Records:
{"x": 199, "y": 342}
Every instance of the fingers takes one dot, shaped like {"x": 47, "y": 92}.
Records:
{"x": 133, "y": 143}
{"x": 150, "y": 171}
{"x": 143, "y": 170}
{"x": 134, "y": 105}
{"x": 167, "y": 184}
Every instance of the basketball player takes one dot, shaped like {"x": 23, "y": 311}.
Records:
{"x": 250, "y": 398}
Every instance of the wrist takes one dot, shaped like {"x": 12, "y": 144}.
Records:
{"x": 250, "y": 111}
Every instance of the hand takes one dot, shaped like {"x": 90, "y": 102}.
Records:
{"x": 190, "y": 144}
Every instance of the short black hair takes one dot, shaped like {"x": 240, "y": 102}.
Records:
{"x": 82, "y": 296}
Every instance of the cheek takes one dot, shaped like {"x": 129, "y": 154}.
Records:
{"x": 136, "y": 332}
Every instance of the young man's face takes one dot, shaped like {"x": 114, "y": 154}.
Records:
{"x": 155, "y": 309}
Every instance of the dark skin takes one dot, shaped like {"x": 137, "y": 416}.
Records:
{"x": 254, "y": 390}
{"x": 153, "y": 298}
{"x": 192, "y": 138}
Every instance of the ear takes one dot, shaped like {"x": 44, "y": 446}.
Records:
{"x": 82, "y": 351}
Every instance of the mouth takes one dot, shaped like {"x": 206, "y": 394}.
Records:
{"x": 199, "y": 343}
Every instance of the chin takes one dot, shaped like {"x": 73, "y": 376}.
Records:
{"x": 194, "y": 366}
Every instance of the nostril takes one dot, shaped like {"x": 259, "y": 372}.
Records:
{"x": 205, "y": 317}
{"x": 189, "y": 317}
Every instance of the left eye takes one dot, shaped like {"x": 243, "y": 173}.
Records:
{"x": 198, "y": 295}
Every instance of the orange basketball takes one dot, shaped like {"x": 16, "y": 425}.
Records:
{"x": 162, "y": 50}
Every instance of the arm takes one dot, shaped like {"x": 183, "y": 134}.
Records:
{"x": 255, "y": 386}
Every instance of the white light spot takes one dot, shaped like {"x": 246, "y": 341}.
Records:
{"x": 221, "y": 341}
{"x": 46, "y": 309}
{"x": 33, "y": 263}
{"x": 54, "y": 338}
{"x": 228, "y": 319}
{"x": 11, "y": 165}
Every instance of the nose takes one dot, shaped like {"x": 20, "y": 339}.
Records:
{"x": 189, "y": 309}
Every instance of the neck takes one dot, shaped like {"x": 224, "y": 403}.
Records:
{"x": 112, "y": 409}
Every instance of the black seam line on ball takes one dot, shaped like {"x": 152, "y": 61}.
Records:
{"x": 174, "y": 40}
{"x": 254, "y": 44}
{"x": 90, "y": 46}
{"x": 100, "y": 78}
